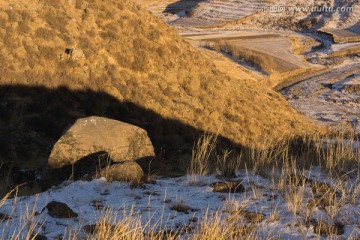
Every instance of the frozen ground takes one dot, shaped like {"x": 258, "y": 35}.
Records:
{"x": 153, "y": 203}
{"x": 328, "y": 90}
{"x": 332, "y": 97}
{"x": 263, "y": 14}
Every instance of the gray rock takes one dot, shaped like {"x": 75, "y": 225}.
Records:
{"x": 122, "y": 141}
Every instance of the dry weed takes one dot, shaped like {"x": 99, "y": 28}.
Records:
{"x": 200, "y": 163}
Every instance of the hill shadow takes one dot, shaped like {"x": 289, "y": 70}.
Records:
{"x": 181, "y": 6}
{"x": 32, "y": 119}
{"x": 355, "y": 28}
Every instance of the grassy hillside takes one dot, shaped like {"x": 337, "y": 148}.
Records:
{"x": 54, "y": 52}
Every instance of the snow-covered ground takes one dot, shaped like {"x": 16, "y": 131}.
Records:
{"x": 329, "y": 97}
{"x": 322, "y": 97}
{"x": 153, "y": 202}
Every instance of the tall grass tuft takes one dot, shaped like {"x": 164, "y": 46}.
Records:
{"x": 202, "y": 151}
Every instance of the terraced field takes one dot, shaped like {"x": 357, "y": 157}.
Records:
{"x": 299, "y": 63}
{"x": 273, "y": 55}
{"x": 343, "y": 35}
{"x": 215, "y": 12}
{"x": 332, "y": 97}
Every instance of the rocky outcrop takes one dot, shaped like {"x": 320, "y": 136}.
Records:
{"x": 123, "y": 142}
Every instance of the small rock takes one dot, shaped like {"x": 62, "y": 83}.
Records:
{"x": 127, "y": 172}
{"x": 77, "y": 54}
{"x": 60, "y": 210}
{"x": 228, "y": 187}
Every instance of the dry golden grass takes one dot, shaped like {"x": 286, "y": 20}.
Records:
{"x": 27, "y": 228}
{"x": 338, "y": 153}
{"x": 133, "y": 56}
{"x": 200, "y": 163}
{"x": 333, "y": 154}
{"x": 45, "y": 34}
{"x": 231, "y": 221}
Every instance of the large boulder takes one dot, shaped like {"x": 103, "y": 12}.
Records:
{"x": 123, "y": 142}
{"x": 127, "y": 172}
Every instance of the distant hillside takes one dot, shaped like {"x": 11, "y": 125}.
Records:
{"x": 61, "y": 60}
{"x": 308, "y": 14}
{"x": 270, "y": 14}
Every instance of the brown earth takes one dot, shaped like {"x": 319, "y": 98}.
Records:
{"x": 276, "y": 57}
{"x": 273, "y": 55}
{"x": 62, "y": 60}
